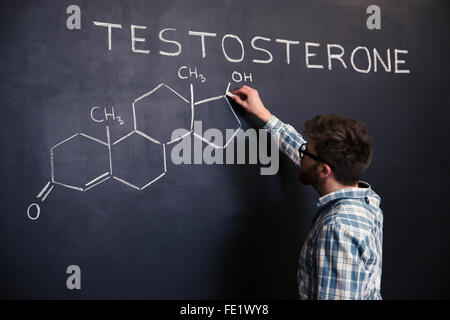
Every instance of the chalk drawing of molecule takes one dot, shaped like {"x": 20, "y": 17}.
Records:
{"x": 70, "y": 159}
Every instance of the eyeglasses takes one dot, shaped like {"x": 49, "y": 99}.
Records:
{"x": 302, "y": 151}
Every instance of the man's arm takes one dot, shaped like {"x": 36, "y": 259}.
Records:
{"x": 290, "y": 140}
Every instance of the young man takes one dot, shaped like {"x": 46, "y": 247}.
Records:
{"x": 341, "y": 257}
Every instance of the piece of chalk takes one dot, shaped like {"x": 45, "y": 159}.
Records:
{"x": 230, "y": 94}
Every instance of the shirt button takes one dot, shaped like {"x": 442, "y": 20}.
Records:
{"x": 367, "y": 199}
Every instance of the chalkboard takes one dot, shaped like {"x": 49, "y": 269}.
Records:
{"x": 95, "y": 181}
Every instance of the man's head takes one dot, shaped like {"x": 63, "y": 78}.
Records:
{"x": 338, "y": 151}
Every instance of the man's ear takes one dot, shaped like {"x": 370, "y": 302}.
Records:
{"x": 324, "y": 170}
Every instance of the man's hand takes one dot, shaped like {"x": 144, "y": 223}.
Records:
{"x": 248, "y": 98}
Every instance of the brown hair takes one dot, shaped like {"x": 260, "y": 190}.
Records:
{"x": 344, "y": 143}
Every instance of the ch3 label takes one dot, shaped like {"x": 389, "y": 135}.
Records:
{"x": 99, "y": 115}
{"x": 186, "y": 72}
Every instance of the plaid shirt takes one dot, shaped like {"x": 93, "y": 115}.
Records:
{"x": 341, "y": 257}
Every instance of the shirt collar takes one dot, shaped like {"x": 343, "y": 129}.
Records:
{"x": 362, "y": 191}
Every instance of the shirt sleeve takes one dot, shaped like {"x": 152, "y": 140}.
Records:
{"x": 337, "y": 269}
{"x": 289, "y": 139}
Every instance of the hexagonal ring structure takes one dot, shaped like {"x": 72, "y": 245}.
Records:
{"x": 157, "y": 125}
{"x": 80, "y": 162}
{"x": 138, "y": 160}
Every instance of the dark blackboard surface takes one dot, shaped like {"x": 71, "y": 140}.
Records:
{"x": 213, "y": 231}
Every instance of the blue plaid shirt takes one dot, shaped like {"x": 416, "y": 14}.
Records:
{"x": 341, "y": 257}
